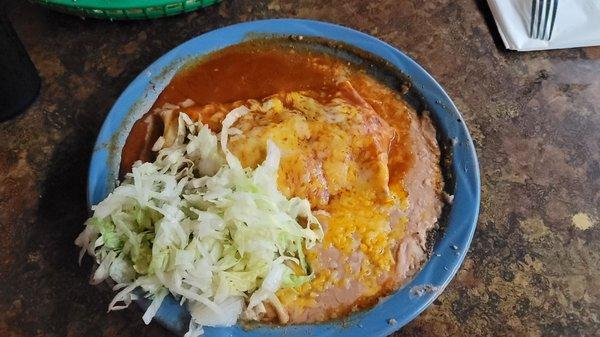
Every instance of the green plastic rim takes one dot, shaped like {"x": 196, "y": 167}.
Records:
{"x": 125, "y": 9}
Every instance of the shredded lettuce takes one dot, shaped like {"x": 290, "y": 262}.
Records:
{"x": 196, "y": 224}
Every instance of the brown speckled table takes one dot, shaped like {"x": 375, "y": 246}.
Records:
{"x": 533, "y": 268}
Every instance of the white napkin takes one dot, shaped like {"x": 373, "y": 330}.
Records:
{"x": 577, "y": 24}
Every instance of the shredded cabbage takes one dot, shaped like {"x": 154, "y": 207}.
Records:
{"x": 196, "y": 224}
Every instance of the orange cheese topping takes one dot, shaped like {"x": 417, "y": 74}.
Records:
{"x": 358, "y": 221}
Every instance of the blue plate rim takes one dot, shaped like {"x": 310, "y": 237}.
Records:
{"x": 450, "y": 249}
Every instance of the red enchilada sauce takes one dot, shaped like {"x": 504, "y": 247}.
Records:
{"x": 257, "y": 70}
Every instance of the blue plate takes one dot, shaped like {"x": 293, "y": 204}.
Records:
{"x": 451, "y": 245}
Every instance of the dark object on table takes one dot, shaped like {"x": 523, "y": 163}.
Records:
{"x": 19, "y": 80}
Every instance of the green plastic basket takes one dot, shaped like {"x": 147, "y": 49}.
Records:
{"x": 125, "y": 9}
